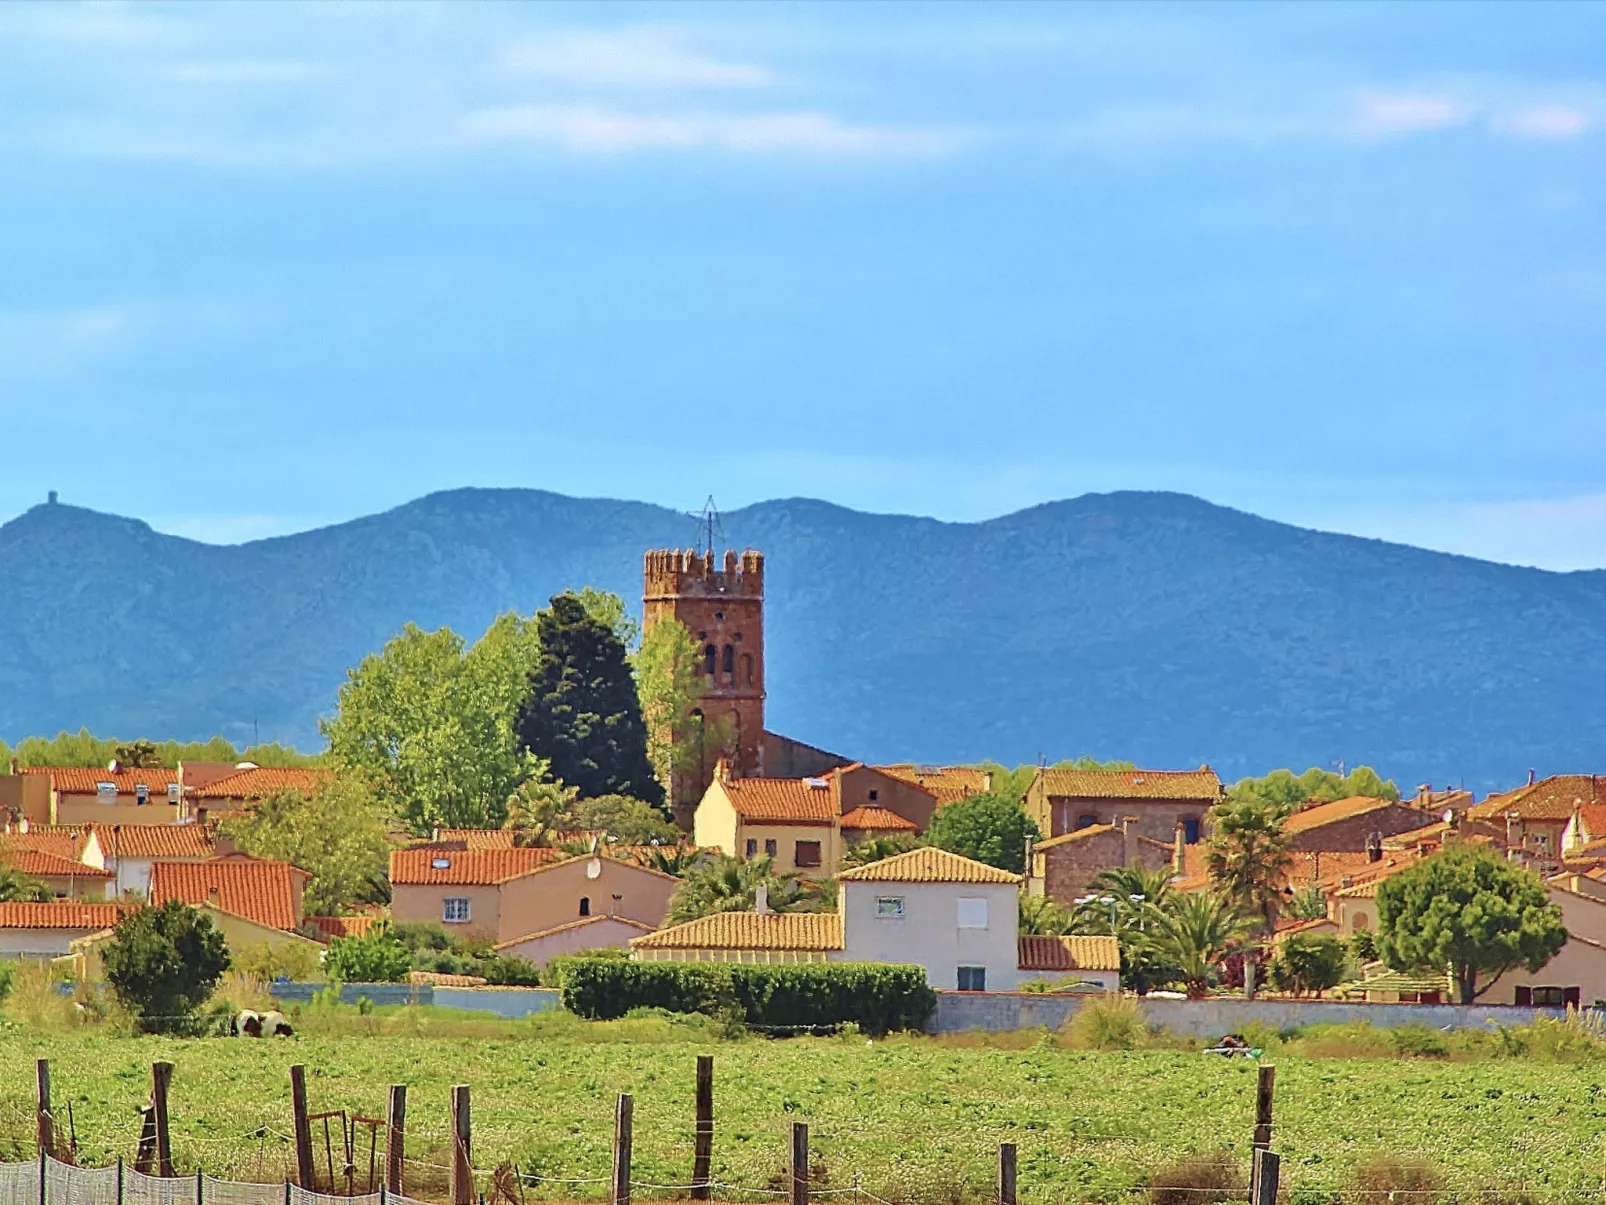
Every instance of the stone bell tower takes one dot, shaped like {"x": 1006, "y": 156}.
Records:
{"x": 722, "y": 605}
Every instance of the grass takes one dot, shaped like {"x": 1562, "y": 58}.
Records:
{"x": 908, "y": 1119}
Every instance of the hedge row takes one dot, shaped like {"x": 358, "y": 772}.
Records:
{"x": 877, "y": 997}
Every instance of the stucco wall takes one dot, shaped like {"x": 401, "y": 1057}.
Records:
{"x": 786, "y": 837}
{"x": 605, "y": 933}
{"x": 414, "y": 902}
{"x": 929, "y": 935}
{"x": 997, "y": 1012}
{"x": 551, "y": 896}
{"x": 715, "y": 824}
{"x": 906, "y": 799}
{"x": 1065, "y": 870}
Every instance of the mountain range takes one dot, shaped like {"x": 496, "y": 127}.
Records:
{"x": 1154, "y": 627}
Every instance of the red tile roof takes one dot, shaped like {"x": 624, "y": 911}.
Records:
{"x": 79, "y": 780}
{"x": 262, "y": 780}
{"x": 1201, "y": 784}
{"x": 480, "y": 838}
{"x": 63, "y": 914}
{"x": 41, "y": 865}
{"x": 426, "y": 866}
{"x": 1340, "y": 809}
{"x": 258, "y": 890}
{"x": 55, "y": 840}
{"x": 782, "y": 800}
{"x": 157, "y": 841}
{"x": 948, "y": 783}
{"x": 1548, "y": 799}
{"x": 1074, "y": 953}
{"x": 342, "y": 926}
{"x": 878, "y": 819}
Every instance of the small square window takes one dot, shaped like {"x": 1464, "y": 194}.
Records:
{"x": 454, "y": 910}
{"x": 972, "y": 913}
{"x": 769, "y": 847}
{"x": 889, "y": 907}
{"x": 873, "y": 796}
{"x": 807, "y": 853}
{"x": 973, "y": 979}
{"x": 752, "y": 848}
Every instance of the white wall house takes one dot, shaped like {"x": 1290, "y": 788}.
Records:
{"x": 955, "y": 917}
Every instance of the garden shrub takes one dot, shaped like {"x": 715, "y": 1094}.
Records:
{"x": 163, "y": 963}
{"x": 374, "y": 957}
{"x": 1415, "y": 1181}
{"x": 1111, "y": 1023}
{"x": 1198, "y": 1180}
{"x": 879, "y": 998}
{"x": 1419, "y": 1041}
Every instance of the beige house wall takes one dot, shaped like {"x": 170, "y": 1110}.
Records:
{"x": 84, "y": 809}
{"x": 240, "y": 931}
{"x": 786, "y": 837}
{"x": 427, "y": 902}
{"x": 77, "y": 888}
{"x": 928, "y": 933}
{"x": 604, "y": 934}
{"x": 547, "y": 898}
{"x": 27, "y": 795}
{"x": 715, "y": 823}
{"x": 867, "y": 787}
{"x": 39, "y": 943}
{"x": 1580, "y": 964}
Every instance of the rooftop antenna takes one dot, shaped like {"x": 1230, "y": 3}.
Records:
{"x": 708, "y": 523}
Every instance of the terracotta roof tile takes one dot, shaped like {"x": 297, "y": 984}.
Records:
{"x": 928, "y": 865}
{"x": 42, "y": 865}
{"x": 581, "y": 923}
{"x": 1548, "y": 799}
{"x": 477, "y": 838}
{"x": 1331, "y": 813}
{"x": 262, "y": 780}
{"x": 1201, "y": 784}
{"x": 870, "y": 818}
{"x": 749, "y": 931}
{"x": 948, "y": 783}
{"x": 782, "y": 800}
{"x": 1073, "y": 953}
{"x": 63, "y": 914}
{"x": 467, "y": 868}
{"x": 80, "y": 780}
{"x": 257, "y": 889}
{"x": 58, "y": 842}
{"x": 331, "y": 927}
{"x": 157, "y": 841}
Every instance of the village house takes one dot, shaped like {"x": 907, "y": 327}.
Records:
{"x": 1537, "y": 816}
{"x": 1091, "y": 962}
{"x": 77, "y": 795}
{"x": 251, "y": 900}
{"x": 1063, "y": 867}
{"x": 65, "y": 878}
{"x": 1353, "y": 825}
{"x": 49, "y": 930}
{"x": 1064, "y": 800}
{"x": 246, "y": 784}
{"x": 530, "y": 901}
{"x": 949, "y": 784}
{"x": 131, "y": 850}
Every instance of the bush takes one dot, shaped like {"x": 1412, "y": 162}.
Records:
{"x": 511, "y": 971}
{"x": 1308, "y": 964}
{"x": 374, "y": 957}
{"x": 1113, "y": 1023}
{"x": 1198, "y": 1180}
{"x": 293, "y": 960}
{"x": 877, "y": 997}
{"x": 163, "y": 963}
{"x": 1416, "y": 1180}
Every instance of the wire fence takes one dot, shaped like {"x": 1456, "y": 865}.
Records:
{"x": 67, "y": 1184}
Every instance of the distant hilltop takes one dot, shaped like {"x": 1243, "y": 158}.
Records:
{"x": 1153, "y": 627}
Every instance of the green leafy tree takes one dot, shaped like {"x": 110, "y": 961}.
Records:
{"x": 1124, "y": 901}
{"x": 608, "y": 609}
{"x": 431, "y": 727}
{"x": 1285, "y": 789}
{"x": 377, "y": 956}
{"x": 16, "y": 887}
{"x": 539, "y": 808}
{"x": 1469, "y": 912}
{"x": 669, "y": 687}
{"x": 990, "y": 828}
{"x": 1042, "y": 917}
{"x": 582, "y": 713}
{"x": 136, "y": 755}
{"x": 1249, "y": 856}
{"x": 1308, "y": 964}
{"x": 1308, "y": 903}
{"x": 874, "y": 849}
{"x": 1194, "y": 932}
{"x": 163, "y": 963}
{"x": 625, "y": 820}
{"x": 1363, "y": 945}
{"x": 722, "y": 883}
{"x": 337, "y": 832}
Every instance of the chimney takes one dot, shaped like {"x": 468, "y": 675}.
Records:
{"x": 1129, "y": 840}
{"x": 22, "y": 825}
{"x": 1530, "y": 776}
{"x": 1179, "y": 846}
{"x": 722, "y": 770}
{"x": 1030, "y": 860}
{"x": 1513, "y": 830}
{"x": 1374, "y": 847}
{"x": 761, "y": 900}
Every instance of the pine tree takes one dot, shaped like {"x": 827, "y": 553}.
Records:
{"x": 583, "y": 714}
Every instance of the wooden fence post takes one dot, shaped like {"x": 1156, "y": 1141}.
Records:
{"x": 623, "y": 1119}
{"x": 703, "y": 1138}
{"x": 1264, "y": 1089}
{"x": 1006, "y": 1173}
{"x": 302, "y": 1128}
{"x": 145, "y": 1153}
{"x": 395, "y": 1137}
{"x": 161, "y": 1077}
{"x": 45, "y": 1121}
{"x": 800, "y": 1163}
{"x": 462, "y": 1165}
{"x": 1266, "y": 1172}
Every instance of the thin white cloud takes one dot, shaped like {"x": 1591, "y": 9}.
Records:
{"x": 1545, "y": 122}
{"x": 1377, "y": 114}
{"x": 594, "y": 130}
{"x": 630, "y": 59}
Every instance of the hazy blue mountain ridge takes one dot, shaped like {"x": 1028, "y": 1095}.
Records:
{"x": 1151, "y": 626}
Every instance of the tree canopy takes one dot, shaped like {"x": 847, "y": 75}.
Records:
{"x": 721, "y": 883}
{"x": 84, "y": 748}
{"x": 337, "y": 833}
{"x": 431, "y": 727}
{"x": 1470, "y": 912}
{"x": 1194, "y": 932}
{"x": 582, "y": 713}
{"x": 1308, "y": 964}
{"x": 990, "y": 828}
{"x": 668, "y": 686}
{"x": 1287, "y": 790}
{"x": 163, "y": 963}
{"x": 1249, "y": 856}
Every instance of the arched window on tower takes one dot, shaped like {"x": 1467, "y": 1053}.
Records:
{"x": 730, "y": 662}
{"x": 747, "y": 668}
{"x": 710, "y": 660}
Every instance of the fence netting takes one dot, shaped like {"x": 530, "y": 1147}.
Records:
{"x": 66, "y": 1184}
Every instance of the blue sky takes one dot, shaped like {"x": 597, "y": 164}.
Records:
{"x": 263, "y": 268}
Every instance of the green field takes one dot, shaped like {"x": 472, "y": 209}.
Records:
{"x": 908, "y": 1119}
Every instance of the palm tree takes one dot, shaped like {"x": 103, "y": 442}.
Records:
{"x": 16, "y": 887}
{"x": 538, "y": 808}
{"x": 727, "y": 884}
{"x": 1124, "y": 901}
{"x": 874, "y": 849}
{"x": 1249, "y": 857}
{"x": 1193, "y": 932}
{"x": 1041, "y": 916}
{"x": 675, "y": 859}
{"x": 1308, "y": 903}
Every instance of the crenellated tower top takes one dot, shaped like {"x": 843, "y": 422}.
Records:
{"x": 676, "y": 573}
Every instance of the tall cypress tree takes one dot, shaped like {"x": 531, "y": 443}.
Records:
{"x": 583, "y": 714}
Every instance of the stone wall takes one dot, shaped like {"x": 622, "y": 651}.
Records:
{"x": 997, "y": 1012}
{"x": 1066, "y": 868}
